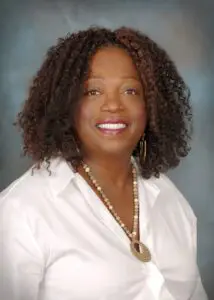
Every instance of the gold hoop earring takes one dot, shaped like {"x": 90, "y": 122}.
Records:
{"x": 76, "y": 145}
{"x": 143, "y": 148}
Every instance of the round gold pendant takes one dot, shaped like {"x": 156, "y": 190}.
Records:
{"x": 143, "y": 254}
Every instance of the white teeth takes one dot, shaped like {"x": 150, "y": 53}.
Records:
{"x": 112, "y": 126}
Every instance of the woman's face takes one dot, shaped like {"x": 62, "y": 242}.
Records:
{"x": 111, "y": 116}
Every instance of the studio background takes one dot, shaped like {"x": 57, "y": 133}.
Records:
{"x": 183, "y": 28}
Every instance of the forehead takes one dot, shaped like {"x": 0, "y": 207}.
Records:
{"x": 112, "y": 61}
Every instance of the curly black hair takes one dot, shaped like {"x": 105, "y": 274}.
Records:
{"x": 47, "y": 118}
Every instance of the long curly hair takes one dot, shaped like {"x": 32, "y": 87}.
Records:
{"x": 47, "y": 118}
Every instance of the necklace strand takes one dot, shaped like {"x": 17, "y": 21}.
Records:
{"x": 142, "y": 253}
{"x": 130, "y": 234}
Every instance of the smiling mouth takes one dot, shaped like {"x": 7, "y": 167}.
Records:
{"x": 111, "y": 128}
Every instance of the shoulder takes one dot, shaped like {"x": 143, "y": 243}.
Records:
{"x": 26, "y": 187}
{"x": 22, "y": 198}
{"x": 169, "y": 198}
{"x": 35, "y": 188}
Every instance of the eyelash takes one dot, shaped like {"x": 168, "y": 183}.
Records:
{"x": 93, "y": 92}
{"x": 136, "y": 92}
{"x": 90, "y": 92}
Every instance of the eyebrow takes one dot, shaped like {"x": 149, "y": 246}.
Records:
{"x": 122, "y": 77}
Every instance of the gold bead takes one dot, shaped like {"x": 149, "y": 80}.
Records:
{"x": 110, "y": 206}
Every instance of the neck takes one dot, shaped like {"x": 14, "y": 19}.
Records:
{"x": 114, "y": 170}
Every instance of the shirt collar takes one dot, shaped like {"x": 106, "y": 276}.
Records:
{"x": 62, "y": 174}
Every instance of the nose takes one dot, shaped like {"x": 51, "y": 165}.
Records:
{"x": 112, "y": 103}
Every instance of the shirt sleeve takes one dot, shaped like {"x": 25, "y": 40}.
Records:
{"x": 21, "y": 261}
{"x": 199, "y": 292}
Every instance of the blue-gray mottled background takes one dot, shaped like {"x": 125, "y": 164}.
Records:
{"x": 184, "y": 28}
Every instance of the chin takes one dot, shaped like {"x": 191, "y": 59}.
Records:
{"x": 116, "y": 151}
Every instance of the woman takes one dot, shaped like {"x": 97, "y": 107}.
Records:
{"x": 96, "y": 218}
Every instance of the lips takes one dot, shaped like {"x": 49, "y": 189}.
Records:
{"x": 112, "y": 127}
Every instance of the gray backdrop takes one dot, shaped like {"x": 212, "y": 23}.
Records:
{"x": 184, "y": 28}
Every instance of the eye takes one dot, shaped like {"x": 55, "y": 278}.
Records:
{"x": 92, "y": 92}
{"x": 132, "y": 91}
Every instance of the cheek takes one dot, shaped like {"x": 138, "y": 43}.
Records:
{"x": 140, "y": 116}
{"x": 84, "y": 114}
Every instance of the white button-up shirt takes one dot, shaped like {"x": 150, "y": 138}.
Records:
{"x": 58, "y": 241}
